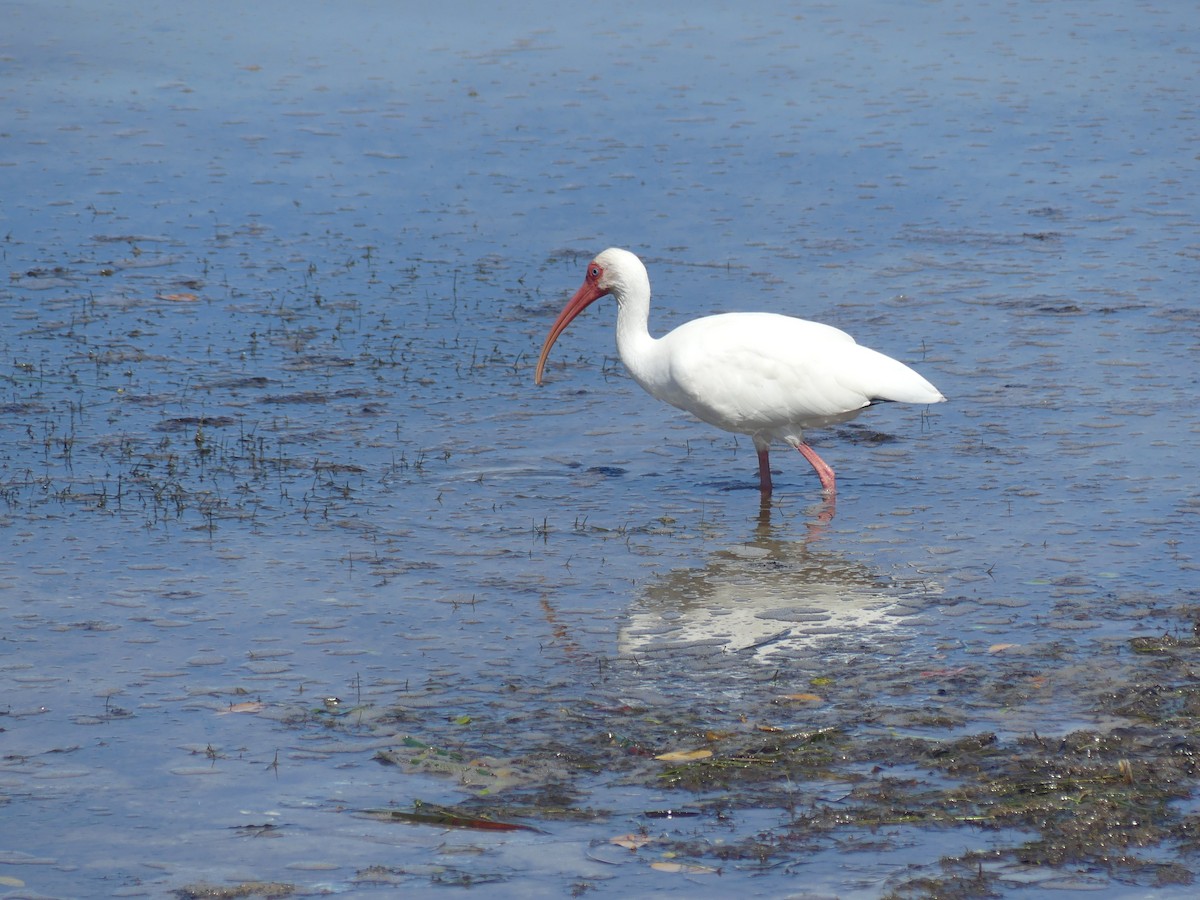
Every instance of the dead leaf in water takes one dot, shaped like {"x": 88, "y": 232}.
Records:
{"x": 683, "y": 868}
{"x": 632, "y": 841}
{"x": 250, "y": 706}
{"x": 180, "y": 297}
{"x": 445, "y": 817}
{"x": 684, "y": 755}
{"x": 804, "y": 698}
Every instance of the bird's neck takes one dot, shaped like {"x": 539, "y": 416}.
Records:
{"x": 634, "y": 344}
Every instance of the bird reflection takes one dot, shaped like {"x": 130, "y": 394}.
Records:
{"x": 822, "y": 514}
{"x": 762, "y": 597}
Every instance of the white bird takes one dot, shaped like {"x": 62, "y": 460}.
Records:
{"x": 764, "y": 375}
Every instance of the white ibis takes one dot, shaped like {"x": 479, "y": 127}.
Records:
{"x": 764, "y": 375}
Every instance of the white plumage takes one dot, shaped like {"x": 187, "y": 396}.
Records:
{"x": 764, "y": 375}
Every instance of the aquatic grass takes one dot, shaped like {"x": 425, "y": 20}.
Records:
{"x": 801, "y": 756}
{"x": 1108, "y": 800}
{"x": 246, "y": 890}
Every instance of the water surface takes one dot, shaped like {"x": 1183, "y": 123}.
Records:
{"x": 291, "y": 536}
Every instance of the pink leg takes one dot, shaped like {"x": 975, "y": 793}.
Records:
{"x": 822, "y": 468}
{"x": 764, "y": 473}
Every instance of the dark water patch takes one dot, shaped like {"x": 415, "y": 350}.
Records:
{"x": 314, "y": 396}
{"x": 858, "y": 433}
{"x": 132, "y": 239}
{"x": 315, "y": 362}
{"x": 44, "y": 279}
{"x": 190, "y": 423}
{"x": 22, "y": 409}
{"x": 607, "y": 471}
{"x": 238, "y": 383}
{"x": 982, "y": 239}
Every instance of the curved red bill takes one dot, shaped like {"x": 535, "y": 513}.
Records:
{"x": 588, "y": 294}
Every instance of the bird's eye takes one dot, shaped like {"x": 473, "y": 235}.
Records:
{"x": 594, "y": 272}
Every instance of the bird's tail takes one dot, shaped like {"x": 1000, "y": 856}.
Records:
{"x": 893, "y": 380}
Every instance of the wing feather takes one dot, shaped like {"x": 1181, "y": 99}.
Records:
{"x": 774, "y": 374}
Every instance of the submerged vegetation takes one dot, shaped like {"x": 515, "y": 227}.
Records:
{"x": 1075, "y": 810}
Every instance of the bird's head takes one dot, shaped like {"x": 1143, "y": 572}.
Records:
{"x": 615, "y": 271}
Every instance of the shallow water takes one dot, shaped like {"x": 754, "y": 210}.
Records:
{"x": 269, "y": 437}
